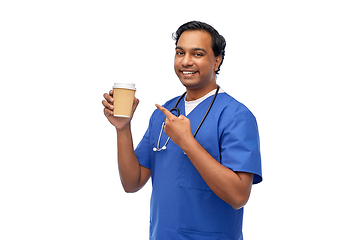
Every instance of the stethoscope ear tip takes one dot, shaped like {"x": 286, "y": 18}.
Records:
{"x": 155, "y": 149}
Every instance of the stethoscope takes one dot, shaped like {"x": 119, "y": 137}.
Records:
{"x": 175, "y": 109}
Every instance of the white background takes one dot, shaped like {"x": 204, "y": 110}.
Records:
{"x": 295, "y": 64}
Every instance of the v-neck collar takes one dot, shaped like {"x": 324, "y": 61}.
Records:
{"x": 189, "y": 106}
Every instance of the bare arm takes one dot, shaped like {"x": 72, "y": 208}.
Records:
{"x": 232, "y": 187}
{"x": 133, "y": 176}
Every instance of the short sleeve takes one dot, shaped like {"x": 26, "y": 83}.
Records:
{"x": 142, "y": 150}
{"x": 240, "y": 144}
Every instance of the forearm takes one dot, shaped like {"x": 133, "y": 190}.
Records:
{"x": 225, "y": 183}
{"x": 129, "y": 168}
{"x": 233, "y": 188}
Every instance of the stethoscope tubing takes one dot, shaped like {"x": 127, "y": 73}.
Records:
{"x": 207, "y": 112}
{"x": 157, "y": 149}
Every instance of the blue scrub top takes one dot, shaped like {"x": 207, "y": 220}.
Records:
{"x": 182, "y": 205}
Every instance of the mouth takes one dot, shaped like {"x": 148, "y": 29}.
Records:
{"x": 188, "y": 73}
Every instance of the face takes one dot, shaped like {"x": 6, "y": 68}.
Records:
{"x": 195, "y": 63}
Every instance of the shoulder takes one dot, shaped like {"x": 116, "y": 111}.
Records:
{"x": 171, "y": 102}
{"x": 232, "y": 108}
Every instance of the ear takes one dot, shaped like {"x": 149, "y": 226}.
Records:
{"x": 218, "y": 60}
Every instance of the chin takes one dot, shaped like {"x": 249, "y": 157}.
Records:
{"x": 189, "y": 83}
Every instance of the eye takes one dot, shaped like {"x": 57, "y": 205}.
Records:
{"x": 198, "y": 54}
{"x": 179, "y": 53}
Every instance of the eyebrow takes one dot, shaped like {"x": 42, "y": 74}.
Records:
{"x": 193, "y": 49}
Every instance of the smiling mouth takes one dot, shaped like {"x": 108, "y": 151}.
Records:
{"x": 188, "y": 73}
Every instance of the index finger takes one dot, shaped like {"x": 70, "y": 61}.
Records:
{"x": 167, "y": 113}
{"x": 108, "y": 97}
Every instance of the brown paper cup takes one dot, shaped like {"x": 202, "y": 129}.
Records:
{"x": 123, "y": 99}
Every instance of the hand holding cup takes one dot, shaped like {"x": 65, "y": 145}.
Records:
{"x": 120, "y": 104}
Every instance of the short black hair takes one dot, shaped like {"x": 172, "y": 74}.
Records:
{"x": 218, "y": 41}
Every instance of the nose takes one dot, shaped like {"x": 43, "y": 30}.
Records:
{"x": 187, "y": 61}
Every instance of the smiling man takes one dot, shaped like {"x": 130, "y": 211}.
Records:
{"x": 195, "y": 63}
{"x": 202, "y": 161}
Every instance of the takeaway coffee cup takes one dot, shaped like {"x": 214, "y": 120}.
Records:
{"x": 123, "y": 99}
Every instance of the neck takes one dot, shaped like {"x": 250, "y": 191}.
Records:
{"x": 193, "y": 94}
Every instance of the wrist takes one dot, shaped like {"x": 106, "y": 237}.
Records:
{"x": 188, "y": 143}
{"x": 124, "y": 129}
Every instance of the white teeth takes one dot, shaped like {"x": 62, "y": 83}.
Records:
{"x": 188, "y": 72}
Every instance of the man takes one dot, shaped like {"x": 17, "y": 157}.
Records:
{"x": 200, "y": 184}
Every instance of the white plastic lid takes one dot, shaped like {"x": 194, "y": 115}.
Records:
{"x": 125, "y": 85}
